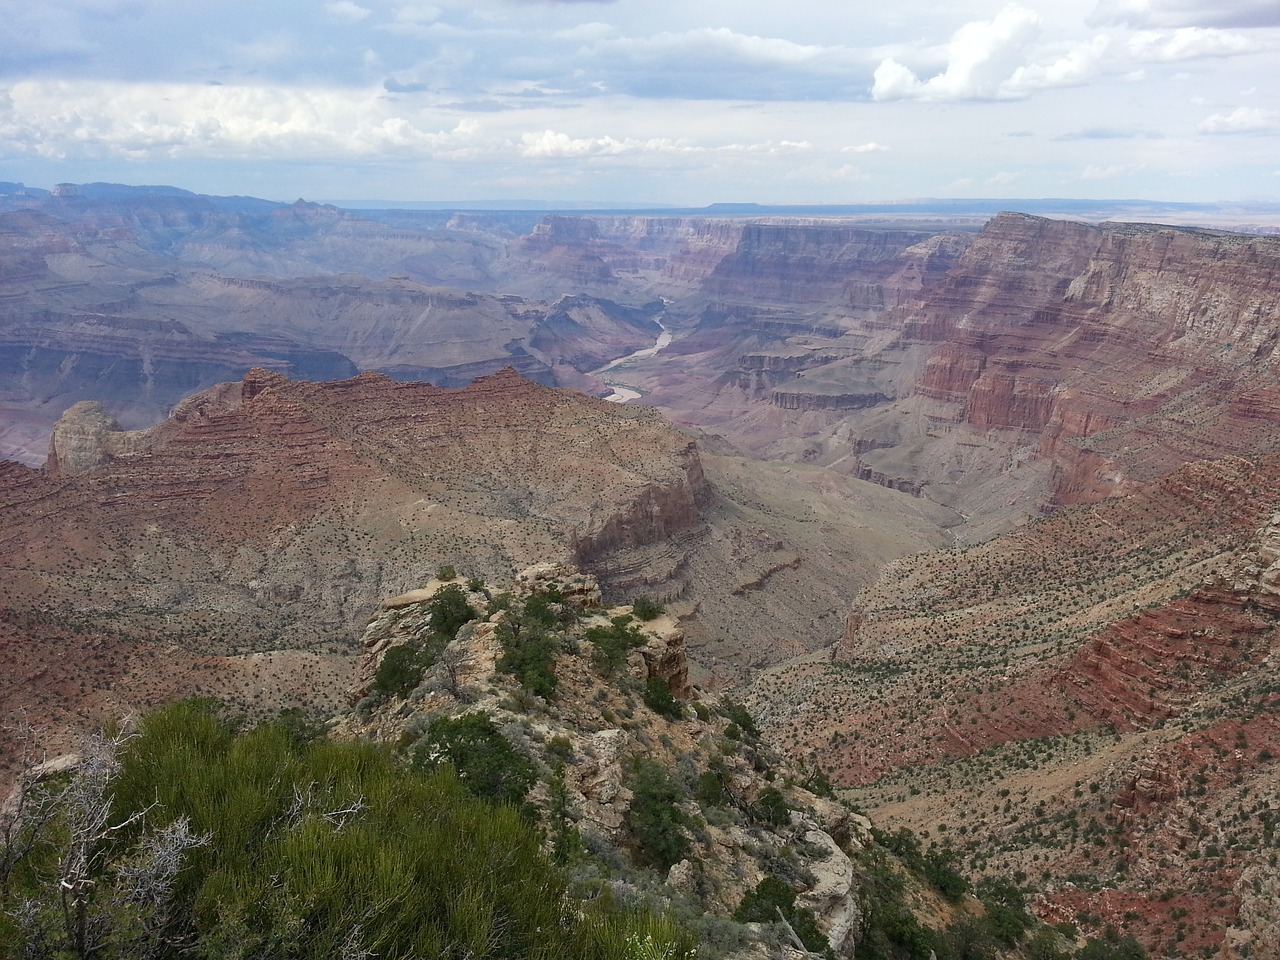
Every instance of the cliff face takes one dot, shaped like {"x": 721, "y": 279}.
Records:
{"x": 1084, "y": 359}
{"x": 798, "y": 263}
{"x": 1091, "y": 337}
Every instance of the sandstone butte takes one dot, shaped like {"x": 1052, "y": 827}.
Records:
{"x": 230, "y": 549}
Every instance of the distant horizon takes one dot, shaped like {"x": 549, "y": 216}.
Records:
{"x": 972, "y": 205}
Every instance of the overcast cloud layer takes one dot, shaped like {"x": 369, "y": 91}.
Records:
{"x": 688, "y": 102}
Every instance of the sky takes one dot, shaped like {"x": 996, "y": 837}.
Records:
{"x": 682, "y": 102}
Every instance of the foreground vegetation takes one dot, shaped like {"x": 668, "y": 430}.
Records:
{"x": 198, "y": 840}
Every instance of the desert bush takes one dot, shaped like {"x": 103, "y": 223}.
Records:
{"x": 613, "y": 643}
{"x": 655, "y": 820}
{"x": 487, "y": 765}
{"x": 658, "y": 698}
{"x": 646, "y": 608}
{"x": 771, "y": 897}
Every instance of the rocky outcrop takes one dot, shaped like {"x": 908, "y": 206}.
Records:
{"x": 578, "y": 734}
{"x": 86, "y": 438}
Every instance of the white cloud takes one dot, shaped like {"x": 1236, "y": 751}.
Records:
{"x": 1240, "y": 120}
{"x": 872, "y": 147}
{"x": 551, "y": 144}
{"x": 1093, "y": 172}
{"x": 148, "y": 121}
{"x": 721, "y": 40}
{"x": 417, "y": 13}
{"x": 346, "y": 11}
{"x": 1189, "y": 43}
{"x": 1077, "y": 65}
{"x": 981, "y": 57}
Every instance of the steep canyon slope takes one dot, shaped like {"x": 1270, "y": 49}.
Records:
{"x": 235, "y": 547}
{"x": 1089, "y": 700}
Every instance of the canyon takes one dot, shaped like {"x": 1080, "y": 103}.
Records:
{"x": 978, "y": 515}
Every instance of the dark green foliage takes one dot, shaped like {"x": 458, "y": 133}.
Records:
{"x": 738, "y": 716}
{"x": 711, "y": 791}
{"x": 529, "y": 654}
{"x": 772, "y": 896}
{"x": 815, "y": 779}
{"x": 937, "y": 865}
{"x": 530, "y": 639}
{"x": 646, "y": 608}
{"x": 1006, "y": 909}
{"x": 658, "y": 698}
{"x": 771, "y": 807}
{"x": 1046, "y": 944}
{"x": 540, "y": 609}
{"x": 301, "y": 726}
{"x": 1111, "y": 947}
{"x": 903, "y": 844}
{"x": 446, "y": 572}
{"x": 399, "y": 671}
{"x": 323, "y": 850}
{"x": 940, "y": 870}
{"x": 655, "y": 821}
{"x": 485, "y": 762}
{"x": 402, "y": 667}
{"x": 969, "y": 939}
{"x": 449, "y": 611}
{"x": 890, "y": 931}
{"x": 613, "y": 643}
{"x": 566, "y": 842}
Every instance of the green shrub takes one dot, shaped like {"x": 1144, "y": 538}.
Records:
{"x": 485, "y": 762}
{"x": 711, "y": 791}
{"x": 772, "y": 896}
{"x": 446, "y": 572}
{"x": 613, "y": 643}
{"x": 738, "y": 716}
{"x": 449, "y": 611}
{"x": 319, "y": 850}
{"x": 399, "y": 671}
{"x": 940, "y": 870}
{"x": 655, "y": 821}
{"x": 771, "y": 807}
{"x": 890, "y": 930}
{"x": 646, "y": 608}
{"x": 529, "y": 654}
{"x": 658, "y": 698}
{"x": 1006, "y": 910}
{"x": 403, "y": 666}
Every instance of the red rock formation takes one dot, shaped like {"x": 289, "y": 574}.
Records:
{"x": 273, "y": 515}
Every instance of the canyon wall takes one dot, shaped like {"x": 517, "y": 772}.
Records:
{"x": 1036, "y": 363}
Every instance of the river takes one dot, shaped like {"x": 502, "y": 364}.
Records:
{"x": 623, "y": 392}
